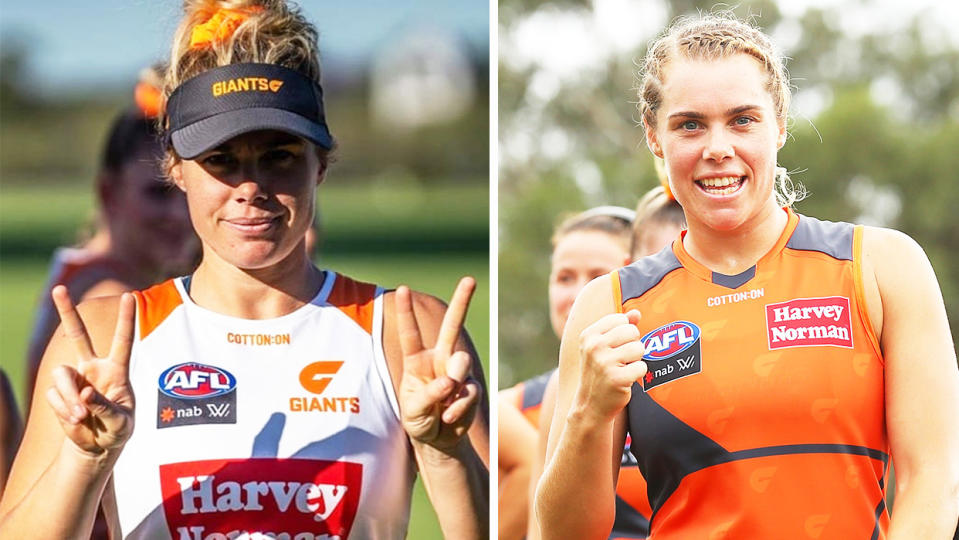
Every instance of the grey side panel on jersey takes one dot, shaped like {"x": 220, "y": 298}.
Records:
{"x": 644, "y": 274}
{"x": 833, "y": 239}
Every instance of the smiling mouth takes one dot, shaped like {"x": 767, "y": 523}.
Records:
{"x": 726, "y": 185}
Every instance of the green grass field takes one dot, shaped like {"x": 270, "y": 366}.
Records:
{"x": 391, "y": 234}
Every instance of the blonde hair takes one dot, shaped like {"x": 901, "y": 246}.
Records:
{"x": 274, "y": 32}
{"x": 713, "y": 36}
{"x": 654, "y": 209}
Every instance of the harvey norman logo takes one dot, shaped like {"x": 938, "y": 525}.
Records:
{"x": 246, "y": 84}
{"x": 261, "y": 498}
{"x": 809, "y": 322}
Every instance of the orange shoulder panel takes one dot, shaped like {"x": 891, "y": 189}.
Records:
{"x": 155, "y": 304}
{"x": 355, "y": 299}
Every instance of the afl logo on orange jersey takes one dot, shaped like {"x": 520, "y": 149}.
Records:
{"x": 672, "y": 352}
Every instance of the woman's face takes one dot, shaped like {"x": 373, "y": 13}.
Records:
{"x": 251, "y": 199}
{"x": 579, "y": 257}
{"x": 151, "y": 224}
{"x": 718, "y": 134}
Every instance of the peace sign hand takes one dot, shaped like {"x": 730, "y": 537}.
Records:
{"x": 94, "y": 401}
{"x": 437, "y": 398}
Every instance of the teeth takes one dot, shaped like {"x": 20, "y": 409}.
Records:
{"x": 720, "y": 182}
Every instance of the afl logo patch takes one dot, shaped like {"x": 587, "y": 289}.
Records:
{"x": 196, "y": 381}
{"x": 194, "y": 393}
{"x": 670, "y": 340}
{"x": 672, "y": 351}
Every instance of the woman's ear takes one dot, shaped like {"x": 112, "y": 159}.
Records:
{"x": 652, "y": 140}
{"x": 176, "y": 173}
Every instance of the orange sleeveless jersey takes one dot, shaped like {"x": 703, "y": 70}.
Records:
{"x": 762, "y": 414}
{"x": 632, "y": 504}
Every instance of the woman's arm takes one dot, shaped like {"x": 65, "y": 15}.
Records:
{"x": 516, "y": 445}
{"x": 546, "y": 412}
{"x": 72, "y": 442}
{"x": 432, "y": 362}
{"x": 600, "y": 358}
{"x": 922, "y": 385}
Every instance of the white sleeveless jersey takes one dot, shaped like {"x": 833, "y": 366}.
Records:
{"x": 284, "y": 428}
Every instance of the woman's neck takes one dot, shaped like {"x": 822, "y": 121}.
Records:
{"x": 734, "y": 251}
{"x": 263, "y": 293}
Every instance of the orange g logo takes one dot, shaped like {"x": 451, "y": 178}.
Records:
{"x": 318, "y": 375}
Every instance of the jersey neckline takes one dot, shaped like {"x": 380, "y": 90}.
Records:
{"x": 329, "y": 277}
{"x": 735, "y": 281}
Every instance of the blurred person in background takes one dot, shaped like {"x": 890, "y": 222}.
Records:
{"x": 226, "y": 365}
{"x": 769, "y": 365}
{"x": 585, "y": 245}
{"x": 142, "y": 230}
{"x": 657, "y": 221}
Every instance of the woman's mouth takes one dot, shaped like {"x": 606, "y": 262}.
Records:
{"x": 252, "y": 225}
{"x": 726, "y": 185}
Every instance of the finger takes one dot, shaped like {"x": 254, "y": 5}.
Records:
{"x": 634, "y": 316}
{"x": 65, "y": 383}
{"x": 622, "y": 334}
{"x": 606, "y": 323}
{"x": 123, "y": 335}
{"x": 635, "y": 371}
{"x": 464, "y": 405}
{"x": 96, "y": 402}
{"x": 458, "y": 366}
{"x": 71, "y": 323}
{"x": 436, "y": 392}
{"x": 455, "y": 315}
{"x": 630, "y": 353}
{"x": 410, "y": 340}
{"x": 60, "y": 407}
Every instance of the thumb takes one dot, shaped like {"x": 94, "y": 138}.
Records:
{"x": 633, "y": 316}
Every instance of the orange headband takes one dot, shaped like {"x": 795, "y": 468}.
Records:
{"x": 149, "y": 99}
{"x": 220, "y": 26}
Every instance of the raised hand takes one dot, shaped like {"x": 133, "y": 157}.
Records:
{"x": 611, "y": 359}
{"x": 437, "y": 398}
{"x": 94, "y": 401}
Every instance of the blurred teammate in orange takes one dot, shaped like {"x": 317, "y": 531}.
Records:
{"x": 657, "y": 221}
{"x": 769, "y": 365}
{"x": 142, "y": 232}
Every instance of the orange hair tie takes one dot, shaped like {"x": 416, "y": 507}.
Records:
{"x": 149, "y": 99}
{"x": 220, "y": 26}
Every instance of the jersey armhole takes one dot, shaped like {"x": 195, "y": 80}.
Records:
{"x": 861, "y": 291}
{"x": 379, "y": 353}
{"x": 617, "y": 290}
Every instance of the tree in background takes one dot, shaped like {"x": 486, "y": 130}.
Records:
{"x": 873, "y": 138}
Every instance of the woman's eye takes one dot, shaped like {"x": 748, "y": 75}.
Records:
{"x": 218, "y": 160}
{"x": 743, "y": 121}
{"x": 690, "y": 125}
{"x": 277, "y": 155}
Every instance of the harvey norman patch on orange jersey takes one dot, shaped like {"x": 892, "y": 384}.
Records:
{"x": 808, "y": 322}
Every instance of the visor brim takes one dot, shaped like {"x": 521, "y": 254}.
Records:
{"x": 199, "y": 137}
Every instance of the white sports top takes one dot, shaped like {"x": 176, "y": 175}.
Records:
{"x": 283, "y": 428}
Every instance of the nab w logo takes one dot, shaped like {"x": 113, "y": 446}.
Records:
{"x": 318, "y": 375}
{"x": 218, "y": 410}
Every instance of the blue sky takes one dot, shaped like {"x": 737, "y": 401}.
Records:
{"x": 84, "y": 44}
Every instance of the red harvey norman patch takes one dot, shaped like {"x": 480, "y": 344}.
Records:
{"x": 808, "y": 322}
{"x": 261, "y": 496}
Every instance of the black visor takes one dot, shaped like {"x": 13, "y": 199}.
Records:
{"x": 219, "y": 104}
